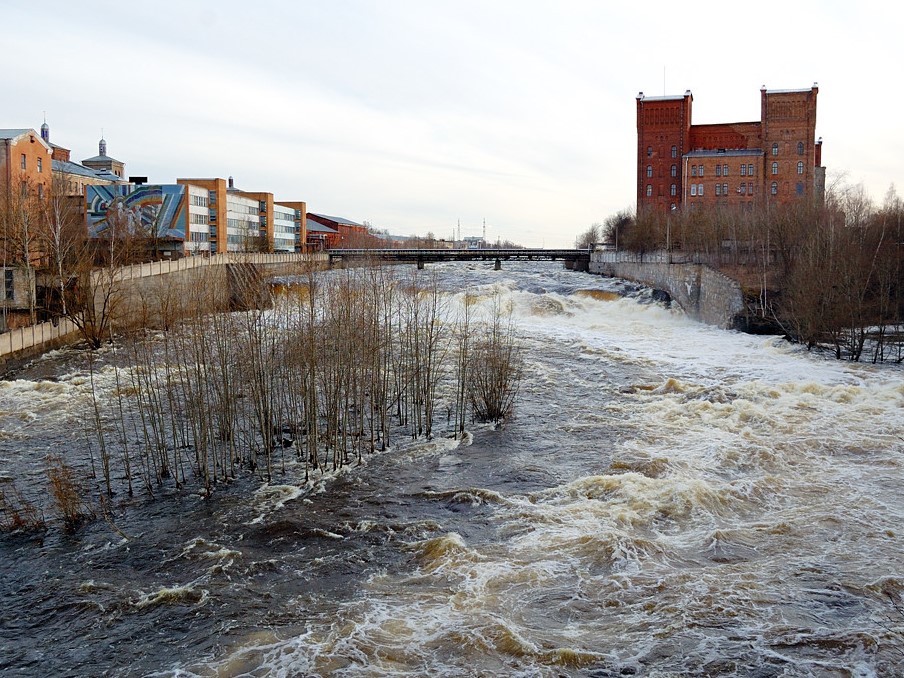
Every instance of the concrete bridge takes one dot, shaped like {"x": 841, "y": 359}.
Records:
{"x": 573, "y": 259}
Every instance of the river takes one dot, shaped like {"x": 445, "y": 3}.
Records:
{"x": 668, "y": 499}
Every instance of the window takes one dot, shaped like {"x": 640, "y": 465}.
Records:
{"x": 775, "y": 168}
{"x": 800, "y": 147}
{"x": 724, "y": 170}
{"x": 700, "y": 187}
{"x": 718, "y": 170}
{"x": 741, "y": 189}
{"x": 649, "y": 171}
{"x": 649, "y": 151}
{"x": 674, "y": 170}
{"x": 774, "y": 149}
{"x": 40, "y": 164}
{"x": 9, "y": 289}
{"x": 750, "y": 188}
{"x": 800, "y": 167}
{"x": 674, "y": 190}
{"x": 40, "y": 191}
{"x": 799, "y": 189}
{"x": 649, "y": 190}
{"x": 694, "y": 189}
{"x": 23, "y": 191}
{"x": 693, "y": 170}
{"x": 701, "y": 171}
{"x": 724, "y": 189}
{"x": 773, "y": 189}
{"x": 743, "y": 170}
{"x": 750, "y": 170}
{"x": 674, "y": 151}
{"x": 24, "y": 162}
{"x": 718, "y": 190}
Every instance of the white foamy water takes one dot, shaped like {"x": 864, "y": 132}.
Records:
{"x": 669, "y": 499}
{"x": 698, "y": 502}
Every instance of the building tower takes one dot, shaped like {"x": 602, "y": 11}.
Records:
{"x": 663, "y": 135}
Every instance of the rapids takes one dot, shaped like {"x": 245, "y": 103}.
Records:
{"x": 668, "y": 499}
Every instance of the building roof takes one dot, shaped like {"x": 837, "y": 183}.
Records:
{"x": 338, "y": 220}
{"x": 14, "y": 133}
{"x": 314, "y": 227}
{"x": 69, "y": 167}
{"x": 101, "y": 158}
{"x": 728, "y": 152}
{"x": 789, "y": 91}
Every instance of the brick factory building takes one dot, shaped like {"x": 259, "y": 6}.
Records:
{"x": 737, "y": 164}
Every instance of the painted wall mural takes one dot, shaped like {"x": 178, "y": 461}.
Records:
{"x": 149, "y": 210}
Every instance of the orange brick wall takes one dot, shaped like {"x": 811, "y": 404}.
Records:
{"x": 34, "y": 149}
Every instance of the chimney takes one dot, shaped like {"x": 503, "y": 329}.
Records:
{"x": 230, "y": 184}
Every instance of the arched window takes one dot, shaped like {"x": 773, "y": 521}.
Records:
{"x": 674, "y": 151}
{"x": 674, "y": 170}
{"x": 649, "y": 190}
{"x": 649, "y": 151}
{"x": 775, "y": 168}
{"x": 799, "y": 188}
{"x": 674, "y": 190}
{"x": 800, "y": 167}
{"x": 800, "y": 147}
{"x": 649, "y": 170}
{"x": 774, "y": 149}
{"x": 773, "y": 189}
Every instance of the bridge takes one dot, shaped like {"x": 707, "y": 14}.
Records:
{"x": 575, "y": 259}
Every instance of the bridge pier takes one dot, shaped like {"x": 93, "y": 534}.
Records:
{"x": 498, "y": 265}
{"x": 420, "y": 263}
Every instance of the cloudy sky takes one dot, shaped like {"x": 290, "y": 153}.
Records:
{"x": 415, "y": 114}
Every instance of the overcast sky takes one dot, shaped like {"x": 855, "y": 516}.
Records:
{"x": 415, "y": 114}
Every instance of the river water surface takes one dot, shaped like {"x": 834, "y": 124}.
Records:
{"x": 669, "y": 499}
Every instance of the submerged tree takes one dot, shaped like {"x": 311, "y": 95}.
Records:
{"x": 495, "y": 366}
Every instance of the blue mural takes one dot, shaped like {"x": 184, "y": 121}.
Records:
{"x": 149, "y": 210}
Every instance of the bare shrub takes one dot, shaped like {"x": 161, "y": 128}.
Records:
{"x": 16, "y": 512}
{"x": 68, "y": 494}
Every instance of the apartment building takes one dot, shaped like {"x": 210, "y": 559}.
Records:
{"x": 775, "y": 159}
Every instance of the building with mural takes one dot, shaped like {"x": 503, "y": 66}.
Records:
{"x": 170, "y": 218}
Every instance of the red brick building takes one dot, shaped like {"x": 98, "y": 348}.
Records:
{"x": 737, "y": 164}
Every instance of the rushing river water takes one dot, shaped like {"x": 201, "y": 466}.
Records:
{"x": 669, "y": 499}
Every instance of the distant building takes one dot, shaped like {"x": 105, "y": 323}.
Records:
{"x": 104, "y": 163}
{"x": 349, "y": 233}
{"x": 775, "y": 159}
{"x": 25, "y": 164}
{"x": 172, "y": 219}
{"x": 243, "y": 221}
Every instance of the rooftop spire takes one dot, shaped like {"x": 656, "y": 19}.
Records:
{"x": 45, "y": 129}
{"x": 102, "y": 146}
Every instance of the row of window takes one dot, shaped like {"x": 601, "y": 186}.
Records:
{"x": 775, "y": 148}
{"x": 650, "y": 151}
{"x": 199, "y": 219}
{"x": 240, "y": 223}
{"x": 25, "y": 163}
{"x": 800, "y": 148}
{"x": 199, "y": 201}
{"x": 722, "y": 190}
{"x": 722, "y": 170}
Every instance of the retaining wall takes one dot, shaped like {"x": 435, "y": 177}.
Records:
{"x": 702, "y": 292}
{"x": 145, "y": 292}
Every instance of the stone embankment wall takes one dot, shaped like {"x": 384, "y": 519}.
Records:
{"x": 703, "y": 293}
{"x": 143, "y": 293}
